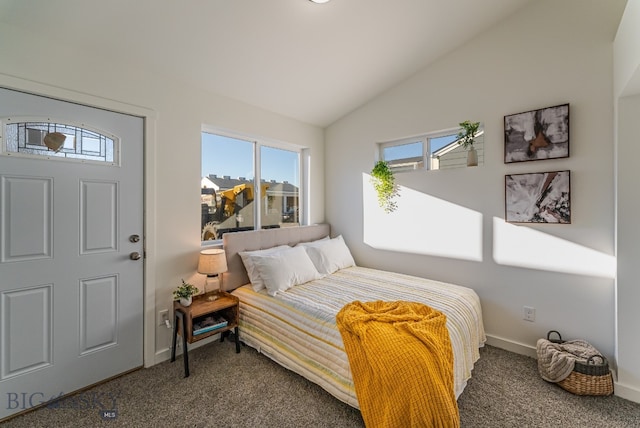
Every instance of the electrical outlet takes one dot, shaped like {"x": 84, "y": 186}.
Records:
{"x": 529, "y": 313}
{"x": 162, "y": 316}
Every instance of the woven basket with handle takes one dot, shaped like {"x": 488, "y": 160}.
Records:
{"x": 592, "y": 377}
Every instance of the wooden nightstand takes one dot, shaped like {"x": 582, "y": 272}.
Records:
{"x": 215, "y": 304}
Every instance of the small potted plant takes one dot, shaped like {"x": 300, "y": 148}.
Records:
{"x": 385, "y": 185}
{"x": 466, "y": 138}
{"x": 184, "y": 293}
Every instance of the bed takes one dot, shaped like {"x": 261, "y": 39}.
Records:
{"x": 296, "y": 326}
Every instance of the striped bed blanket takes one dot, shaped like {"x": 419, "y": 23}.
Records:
{"x": 402, "y": 363}
{"x": 297, "y": 328}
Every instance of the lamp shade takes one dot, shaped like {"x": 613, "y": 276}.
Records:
{"x": 212, "y": 262}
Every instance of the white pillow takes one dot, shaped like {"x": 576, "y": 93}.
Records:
{"x": 283, "y": 270}
{"x": 313, "y": 243}
{"x": 330, "y": 256}
{"x": 248, "y": 258}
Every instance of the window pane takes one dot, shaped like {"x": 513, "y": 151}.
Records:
{"x": 227, "y": 194}
{"x": 90, "y": 144}
{"x": 73, "y": 142}
{"x": 280, "y": 173}
{"x": 404, "y": 156}
{"x": 440, "y": 142}
{"x": 446, "y": 153}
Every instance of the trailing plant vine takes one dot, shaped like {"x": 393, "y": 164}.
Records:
{"x": 385, "y": 185}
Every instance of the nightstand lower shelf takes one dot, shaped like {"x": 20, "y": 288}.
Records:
{"x": 219, "y": 304}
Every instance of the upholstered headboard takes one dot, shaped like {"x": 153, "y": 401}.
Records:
{"x": 233, "y": 243}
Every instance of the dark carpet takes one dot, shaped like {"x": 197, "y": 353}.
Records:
{"x": 228, "y": 390}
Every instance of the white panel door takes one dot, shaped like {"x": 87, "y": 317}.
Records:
{"x": 71, "y": 293}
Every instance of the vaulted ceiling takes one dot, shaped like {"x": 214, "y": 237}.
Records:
{"x": 312, "y": 62}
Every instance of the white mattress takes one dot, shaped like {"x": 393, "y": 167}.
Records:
{"x": 297, "y": 328}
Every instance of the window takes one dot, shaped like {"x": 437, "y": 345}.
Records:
{"x": 282, "y": 194}
{"x": 231, "y": 199}
{"x": 404, "y": 155}
{"x": 438, "y": 150}
{"x": 58, "y": 141}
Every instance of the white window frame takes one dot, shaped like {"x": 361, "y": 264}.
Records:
{"x": 425, "y": 139}
{"x": 258, "y": 143}
{"x": 405, "y": 164}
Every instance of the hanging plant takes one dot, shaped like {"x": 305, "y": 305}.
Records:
{"x": 385, "y": 185}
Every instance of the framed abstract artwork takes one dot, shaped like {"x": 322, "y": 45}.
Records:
{"x": 537, "y": 134}
{"x": 540, "y": 197}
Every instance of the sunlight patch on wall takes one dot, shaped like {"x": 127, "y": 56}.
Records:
{"x": 422, "y": 224}
{"x": 525, "y": 247}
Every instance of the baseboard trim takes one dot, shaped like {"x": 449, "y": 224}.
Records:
{"x": 164, "y": 354}
{"x": 627, "y": 392}
{"x": 510, "y": 345}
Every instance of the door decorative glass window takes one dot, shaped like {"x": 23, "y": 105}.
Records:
{"x": 57, "y": 140}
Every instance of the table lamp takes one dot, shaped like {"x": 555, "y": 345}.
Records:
{"x": 212, "y": 262}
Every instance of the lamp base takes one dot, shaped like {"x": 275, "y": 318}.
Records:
{"x": 212, "y": 284}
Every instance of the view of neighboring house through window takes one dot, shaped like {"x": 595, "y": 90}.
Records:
{"x": 438, "y": 150}
{"x": 232, "y": 201}
{"x": 282, "y": 193}
{"x": 405, "y": 155}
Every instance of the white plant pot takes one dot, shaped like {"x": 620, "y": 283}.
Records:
{"x": 472, "y": 157}
{"x": 186, "y": 302}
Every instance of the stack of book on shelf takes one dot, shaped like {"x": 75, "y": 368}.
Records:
{"x": 209, "y": 323}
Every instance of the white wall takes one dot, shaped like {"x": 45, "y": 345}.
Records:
{"x": 628, "y": 212}
{"x": 547, "y": 54}
{"x": 627, "y": 91}
{"x": 175, "y": 113}
{"x": 626, "y": 52}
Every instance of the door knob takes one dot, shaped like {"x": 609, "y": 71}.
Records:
{"x": 135, "y": 255}
{"x": 134, "y": 238}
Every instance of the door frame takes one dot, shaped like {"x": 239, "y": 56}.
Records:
{"x": 149, "y": 189}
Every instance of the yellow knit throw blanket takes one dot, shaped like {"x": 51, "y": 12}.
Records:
{"x": 402, "y": 364}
